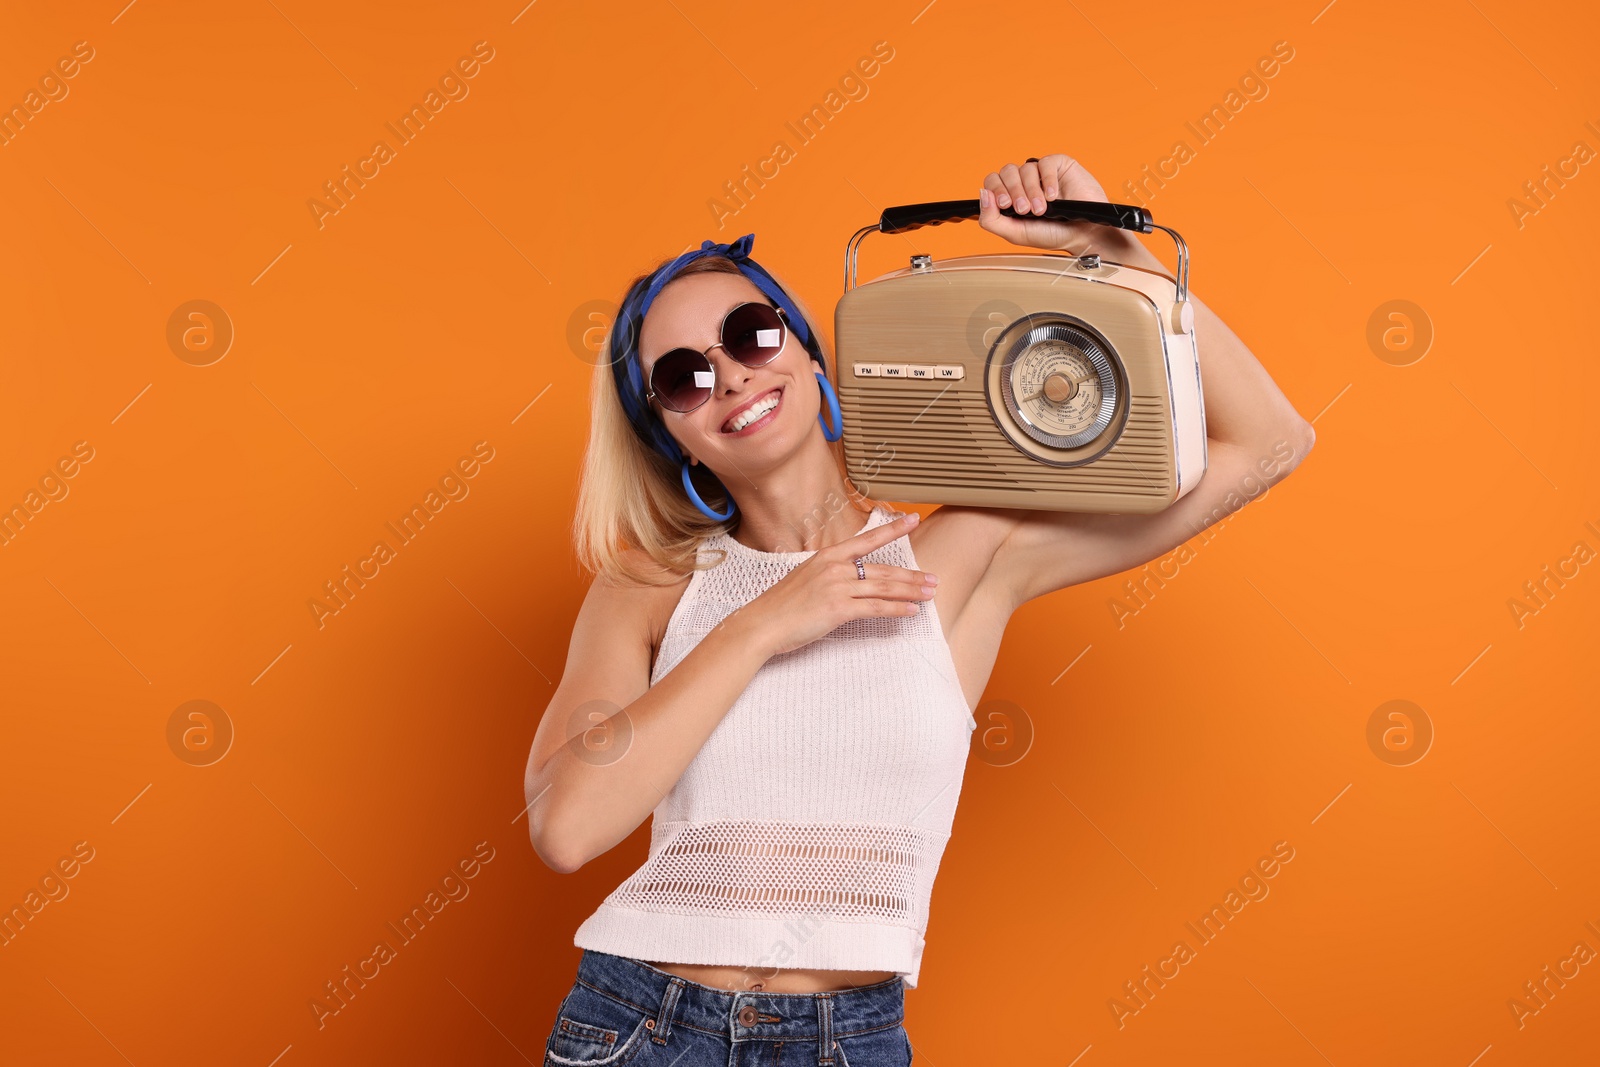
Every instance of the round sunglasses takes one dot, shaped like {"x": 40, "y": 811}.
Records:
{"x": 752, "y": 334}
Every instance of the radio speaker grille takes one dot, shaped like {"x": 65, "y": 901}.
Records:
{"x": 921, "y": 431}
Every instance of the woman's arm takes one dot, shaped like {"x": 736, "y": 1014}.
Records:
{"x": 1254, "y": 435}
{"x": 586, "y": 794}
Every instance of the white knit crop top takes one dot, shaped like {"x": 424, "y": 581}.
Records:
{"x": 808, "y": 829}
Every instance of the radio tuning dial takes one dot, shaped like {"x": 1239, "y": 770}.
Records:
{"x": 1056, "y": 388}
{"x": 1058, "y": 382}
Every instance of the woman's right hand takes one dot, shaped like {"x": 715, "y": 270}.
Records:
{"x": 825, "y": 591}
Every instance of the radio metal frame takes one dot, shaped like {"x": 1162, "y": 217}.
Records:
{"x": 1182, "y": 279}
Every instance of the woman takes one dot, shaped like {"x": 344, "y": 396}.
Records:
{"x": 783, "y": 674}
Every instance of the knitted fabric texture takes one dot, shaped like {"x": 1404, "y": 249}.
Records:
{"x": 808, "y": 829}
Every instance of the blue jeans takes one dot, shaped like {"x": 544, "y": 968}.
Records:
{"x": 624, "y": 1011}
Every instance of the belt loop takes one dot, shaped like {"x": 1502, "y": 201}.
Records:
{"x": 825, "y": 1030}
{"x": 669, "y": 1007}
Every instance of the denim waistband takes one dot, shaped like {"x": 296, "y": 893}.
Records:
{"x": 742, "y": 1016}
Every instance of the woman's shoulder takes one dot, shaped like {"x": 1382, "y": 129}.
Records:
{"x": 958, "y": 544}
{"x": 645, "y": 591}
{"x": 959, "y": 541}
{"x": 639, "y": 577}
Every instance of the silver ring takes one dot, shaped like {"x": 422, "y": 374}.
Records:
{"x": 861, "y": 569}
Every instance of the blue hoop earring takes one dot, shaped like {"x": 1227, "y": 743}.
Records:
{"x": 832, "y": 400}
{"x": 694, "y": 497}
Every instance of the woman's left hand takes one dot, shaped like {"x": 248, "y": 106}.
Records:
{"x": 1026, "y": 187}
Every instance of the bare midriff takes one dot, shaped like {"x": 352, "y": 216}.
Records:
{"x": 769, "y": 980}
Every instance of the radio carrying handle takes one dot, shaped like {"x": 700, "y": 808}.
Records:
{"x": 936, "y": 213}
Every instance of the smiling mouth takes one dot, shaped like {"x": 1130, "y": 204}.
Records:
{"x": 776, "y": 392}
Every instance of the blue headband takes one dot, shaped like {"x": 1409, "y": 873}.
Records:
{"x": 625, "y": 363}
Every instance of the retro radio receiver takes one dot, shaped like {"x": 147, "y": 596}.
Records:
{"x": 1042, "y": 381}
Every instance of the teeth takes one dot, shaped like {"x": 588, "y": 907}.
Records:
{"x": 751, "y": 414}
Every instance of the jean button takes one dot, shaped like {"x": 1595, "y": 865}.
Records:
{"x": 747, "y": 1015}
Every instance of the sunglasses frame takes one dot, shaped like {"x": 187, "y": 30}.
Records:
{"x": 783, "y": 341}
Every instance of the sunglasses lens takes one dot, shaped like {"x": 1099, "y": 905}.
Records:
{"x": 682, "y": 379}
{"x": 753, "y": 334}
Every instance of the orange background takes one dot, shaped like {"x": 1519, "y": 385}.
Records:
{"x": 372, "y": 754}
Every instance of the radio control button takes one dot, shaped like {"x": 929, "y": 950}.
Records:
{"x": 951, "y": 371}
{"x": 893, "y": 370}
{"x": 869, "y": 370}
{"x": 920, "y": 370}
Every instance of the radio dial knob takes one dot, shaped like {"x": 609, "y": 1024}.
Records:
{"x": 1059, "y": 387}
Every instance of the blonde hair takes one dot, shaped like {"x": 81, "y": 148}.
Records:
{"x": 634, "y": 523}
